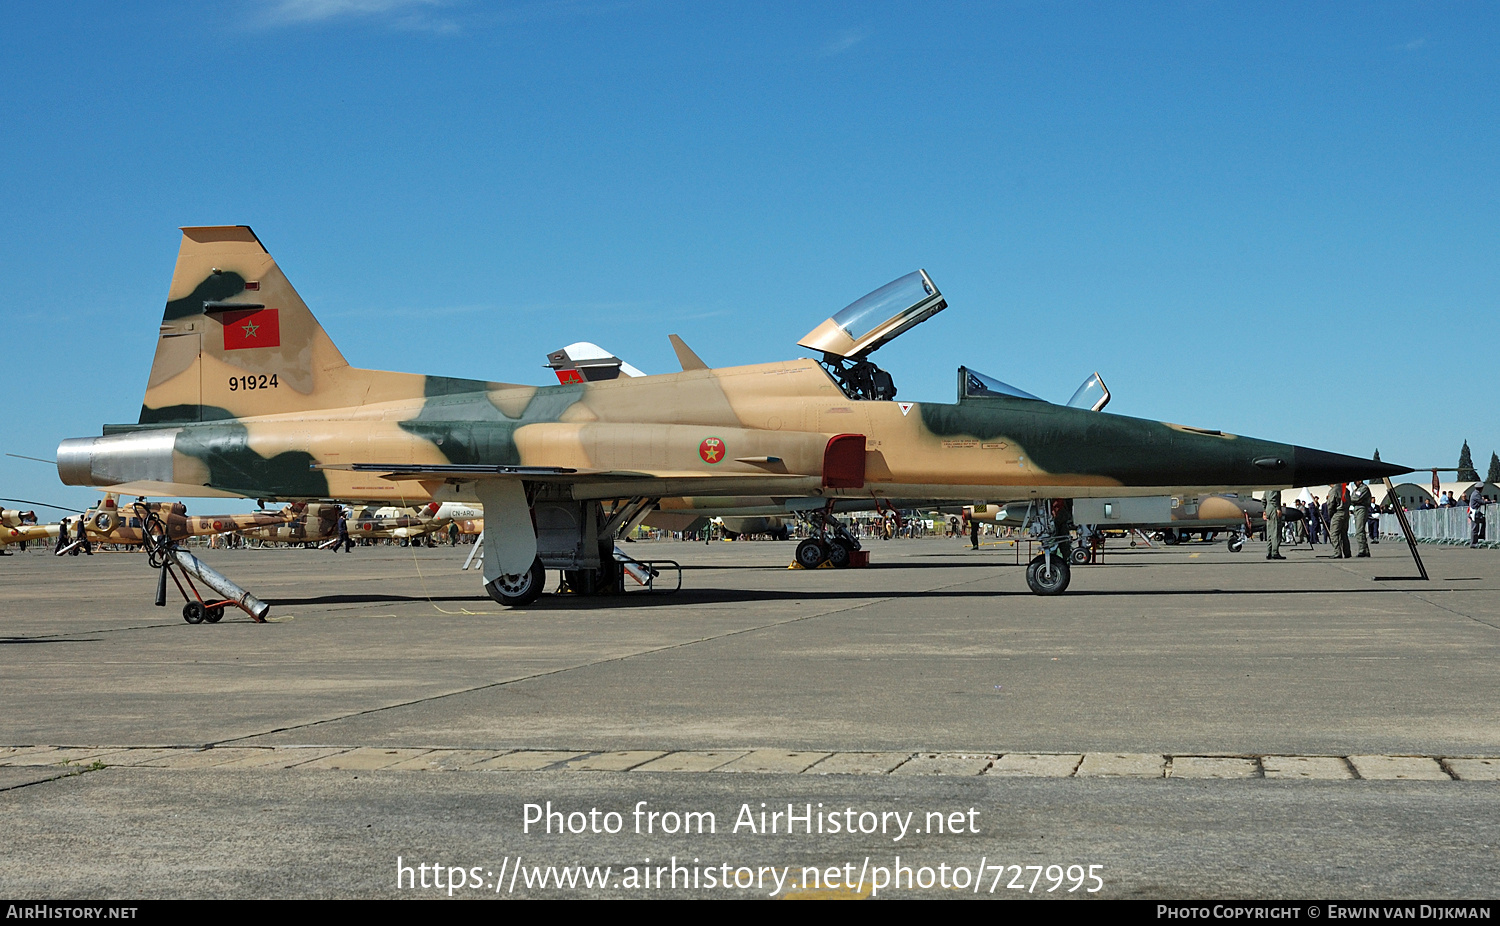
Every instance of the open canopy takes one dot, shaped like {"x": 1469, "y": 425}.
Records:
{"x": 860, "y": 328}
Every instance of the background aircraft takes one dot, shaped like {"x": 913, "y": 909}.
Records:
{"x": 116, "y": 522}
{"x": 17, "y": 526}
{"x": 1176, "y": 517}
{"x": 318, "y": 523}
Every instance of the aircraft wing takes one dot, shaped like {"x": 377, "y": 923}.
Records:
{"x": 593, "y": 483}
{"x": 401, "y": 471}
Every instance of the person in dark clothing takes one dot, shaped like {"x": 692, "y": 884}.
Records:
{"x": 1359, "y": 513}
{"x": 1273, "y": 524}
{"x": 1476, "y": 516}
{"x": 1338, "y": 519}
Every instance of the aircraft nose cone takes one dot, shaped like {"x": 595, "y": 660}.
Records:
{"x": 1319, "y": 467}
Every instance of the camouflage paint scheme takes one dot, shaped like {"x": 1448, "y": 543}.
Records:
{"x": 114, "y": 522}
{"x": 25, "y": 533}
{"x": 249, "y": 397}
{"x": 21, "y": 527}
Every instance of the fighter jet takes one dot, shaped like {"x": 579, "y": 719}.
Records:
{"x": 248, "y": 396}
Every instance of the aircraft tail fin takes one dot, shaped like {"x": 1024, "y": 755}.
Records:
{"x": 685, "y": 355}
{"x": 236, "y": 340}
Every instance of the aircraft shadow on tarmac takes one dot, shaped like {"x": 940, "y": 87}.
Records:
{"x": 373, "y": 599}
{"x": 705, "y": 596}
{"x": 906, "y": 564}
{"x": 689, "y": 597}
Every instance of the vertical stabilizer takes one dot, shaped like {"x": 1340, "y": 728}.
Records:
{"x": 237, "y": 341}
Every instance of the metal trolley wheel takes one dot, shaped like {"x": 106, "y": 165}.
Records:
{"x": 194, "y": 612}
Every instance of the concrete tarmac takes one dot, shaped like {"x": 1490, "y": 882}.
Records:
{"x": 1150, "y": 721}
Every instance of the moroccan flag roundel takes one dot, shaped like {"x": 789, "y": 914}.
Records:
{"x": 711, "y": 450}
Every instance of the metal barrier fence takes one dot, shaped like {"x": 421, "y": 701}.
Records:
{"x": 1442, "y": 525}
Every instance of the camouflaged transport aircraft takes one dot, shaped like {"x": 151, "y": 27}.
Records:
{"x": 249, "y": 397}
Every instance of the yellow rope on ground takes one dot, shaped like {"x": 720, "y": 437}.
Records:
{"x": 426, "y": 591}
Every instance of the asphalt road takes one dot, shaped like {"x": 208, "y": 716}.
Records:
{"x": 935, "y": 655}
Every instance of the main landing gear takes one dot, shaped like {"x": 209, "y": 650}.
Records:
{"x": 1048, "y": 574}
{"x": 546, "y": 527}
{"x": 830, "y": 542}
{"x": 515, "y": 591}
{"x": 1051, "y": 523}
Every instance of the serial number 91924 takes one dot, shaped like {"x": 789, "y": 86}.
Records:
{"x": 236, "y": 383}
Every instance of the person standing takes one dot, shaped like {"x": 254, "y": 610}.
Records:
{"x": 343, "y": 528}
{"x": 1476, "y": 516}
{"x": 1314, "y": 521}
{"x": 1338, "y": 519}
{"x": 1359, "y": 512}
{"x": 1273, "y": 524}
{"x": 974, "y": 532}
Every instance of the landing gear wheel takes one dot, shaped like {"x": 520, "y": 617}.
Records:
{"x": 1043, "y": 584}
{"x": 838, "y": 554}
{"x": 515, "y": 591}
{"x": 1079, "y": 556}
{"x": 193, "y": 612}
{"x": 810, "y": 554}
{"x": 1236, "y": 543}
{"x": 214, "y": 615}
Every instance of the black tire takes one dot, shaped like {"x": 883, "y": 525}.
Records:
{"x": 1040, "y": 583}
{"x": 1079, "y": 556}
{"x": 193, "y": 612}
{"x": 839, "y": 552}
{"x": 214, "y": 615}
{"x": 810, "y": 554}
{"x": 1236, "y": 543}
{"x": 516, "y": 591}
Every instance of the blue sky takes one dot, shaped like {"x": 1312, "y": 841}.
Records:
{"x": 1279, "y": 220}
